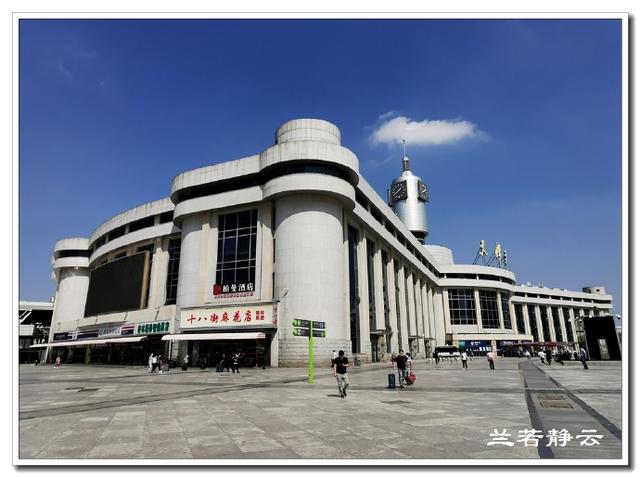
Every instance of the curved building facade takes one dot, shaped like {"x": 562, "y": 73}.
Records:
{"x": 241, "y": 249}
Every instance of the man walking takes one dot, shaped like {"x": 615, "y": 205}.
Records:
{"x": 340, "y": 365}
{"x": 583, "y": 357}
{"x": 548, "y": 355}
{"x": 464, "y": 359}
{"x": 401, "y": 363}
{"x": 490, "y": 359}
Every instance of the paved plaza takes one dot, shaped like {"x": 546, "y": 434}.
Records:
{"x": 116, "y": 412}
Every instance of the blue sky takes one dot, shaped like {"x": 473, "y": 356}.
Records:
{"x": 111, "y": 111}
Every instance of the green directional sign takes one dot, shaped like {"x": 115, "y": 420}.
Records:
{"x": 319, "y": 325}
{"x": 301, "y": 332}
{"x": 302, "y": 324}
{"x": 319, "y": 333}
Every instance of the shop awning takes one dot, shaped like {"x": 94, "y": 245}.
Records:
{"x": 214, "y": 336}
{"x": 131, "y": 339}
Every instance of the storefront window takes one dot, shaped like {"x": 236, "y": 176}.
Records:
{"x": 385, "y": 295}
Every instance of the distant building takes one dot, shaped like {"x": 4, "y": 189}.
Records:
{"x": 34, "y": 321}
{"x": 242, "y": 248}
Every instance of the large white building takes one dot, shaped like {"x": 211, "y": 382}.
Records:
{"x": 242, "y": 248}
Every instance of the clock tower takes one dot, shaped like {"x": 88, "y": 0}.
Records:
{"x": 408, "y": 197}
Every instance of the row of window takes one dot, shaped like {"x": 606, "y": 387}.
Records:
{"x": 564, "y": 298}
{"x": 130, "y": 227}
{"x": 462, "y": 310}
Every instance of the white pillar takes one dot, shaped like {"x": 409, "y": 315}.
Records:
{"x": 310, "y": 274}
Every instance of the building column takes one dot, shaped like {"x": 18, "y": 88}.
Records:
{"x": 411, "y": 300}
{"x": 563, "y": 328}
{"x": 525, "y": 318}
{"x": 539, "y": 322}
{"x": 403, "y": 312}
{"x": 500, "y": 315}
{"x": 377, "y": 283}
{"x": 439, "y": 317}
{"x": 476, "y": 299}
{"x": 552, "y": 325}
{"x": 426, "y": 324}
{"x": 393, "y": 309}
{"x": 363, "y": 292}
{"x": 417, "y": 292}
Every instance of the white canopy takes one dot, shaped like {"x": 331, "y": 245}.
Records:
{"x": 214, "y": 336}
{"x": 130, "y": 339}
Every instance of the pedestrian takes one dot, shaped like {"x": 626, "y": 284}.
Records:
{"x": 234, "y": 363}
{"x": 464, "y": 359}
{"x": 401, "y": 363}
{"x": 340, "y": 365}
{"x": 490, "y": 359}
{"x": 334, "y": 355}
{"x": 160, "y": 363}
{"x": 185, "y": 362}
{"x": 527, "y": 354}
{"x": 58, "y": 360}
{"x": 548, "y": 355}
{"x": 541, "y": 356}
{"x": 154, "y": 364}
{"x": 583, "y": 357}
{"x": 436, "y": 357}
{"x": 150, "y": 363}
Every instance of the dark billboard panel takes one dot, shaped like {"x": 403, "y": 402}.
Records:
{"x": 602, "y": 338}
{"x": 117, "y": 285}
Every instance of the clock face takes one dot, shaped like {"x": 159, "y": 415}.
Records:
{"x": 399, "y": 191}
{"x": 423, "y": 191}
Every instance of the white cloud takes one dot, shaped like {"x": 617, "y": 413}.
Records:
{"x": 424, "y": 133}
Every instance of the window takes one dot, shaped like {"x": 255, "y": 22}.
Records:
{"x": 519, "y": 318}
{"x": 533, "y": 322}
{"x": 166, "y": 217}
{"x": 489, "y": 309}
{"x": 354, "y": 299}
{"x": 120, "y": 255}
{"x": 385, "y": 295}
{"x": 371, "y": 251}
{"x": 142, "y": 223}
{"x": 236, "y": 268}
{"x": 462, "y": 306}
{"x": 544, "y": 318}
{"x": 567, "y": 324}
{"x": 115, "y": 233}
{"x": 556, "y": 323}
{"x": 172, "y": 270}
{"x": 506, "y": 312}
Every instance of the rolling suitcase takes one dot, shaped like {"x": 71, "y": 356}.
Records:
{"x": 392, "y": 380}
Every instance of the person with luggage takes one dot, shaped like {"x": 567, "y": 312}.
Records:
{"x": 464, "y": 358}
{"x": 401, "y": 364}
{"x": 340, "y": 365}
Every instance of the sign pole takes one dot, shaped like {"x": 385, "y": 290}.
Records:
{"x": 311, "y": 354}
